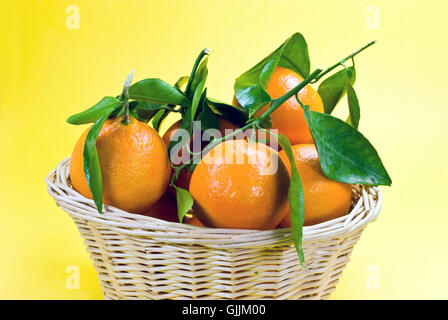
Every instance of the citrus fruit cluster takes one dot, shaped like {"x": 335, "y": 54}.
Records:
{"x": 211, "y": 168}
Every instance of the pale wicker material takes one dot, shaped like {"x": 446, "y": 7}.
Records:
{"x": 139, "y": 257}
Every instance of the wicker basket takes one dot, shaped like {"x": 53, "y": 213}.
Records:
{"x": 139, "y": 257}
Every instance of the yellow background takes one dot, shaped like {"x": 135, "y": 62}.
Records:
{"x": 49, "y": 72}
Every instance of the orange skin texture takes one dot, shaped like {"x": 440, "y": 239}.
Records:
{"x": 325, "y": 199}
{"x": 231, "y": 194}
{"x": 164, "y": 209}
{"x": 134, "y": 165}
{"x": 289, "y": 118}
{"x": 184, "y": 178}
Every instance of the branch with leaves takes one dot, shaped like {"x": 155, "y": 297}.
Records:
{"x": 345, "y": 154}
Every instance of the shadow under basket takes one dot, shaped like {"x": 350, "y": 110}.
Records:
{"x": 139, "y": 257}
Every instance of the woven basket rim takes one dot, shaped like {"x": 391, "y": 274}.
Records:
{"x": 365, "y": 209}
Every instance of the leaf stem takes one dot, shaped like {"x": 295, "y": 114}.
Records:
{"x": 350, "y": 56}
{"x": 126, "y": 119}
{"x": 176, "y": 174}
{"x": 125, "y": 97}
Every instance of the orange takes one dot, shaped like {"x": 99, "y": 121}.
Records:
{"x": 183, "y": 180}
{"x": 325, "y": 199}
{"x": 289, "y": 118}
{"x": 134, "y": 165}
{"x": 236, "y": 185}
{"x": 164, "y": 209}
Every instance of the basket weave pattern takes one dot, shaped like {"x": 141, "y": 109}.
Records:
{"x": 139, "y": 257}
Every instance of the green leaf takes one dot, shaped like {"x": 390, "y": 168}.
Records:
{"x": 144, "y": 111}
{"x": 92, "y": 167}
{"x": 158, "y": 118}
{"x": 295, "y": 198}
{"x": 353, "y": 106}
{"x": 197, "y": 98}
{"x": 197, "y": 73}
{"x": 236, "y": 115}
{"x": 333, "y": 89}
{"x": 295, "y": 55}
{"x": 148, "y": 106}
{"x": 197, "y": 86}
{"x": 105, "y": 106}
{"x": 250, "y": 87}
{"x": 181, "y": 82}
{"x": 184, "y": 202}
{"x": 206, "y": 116}
{"x": 345, "y": 154}
{"x": 156, "y": 91}
{"x": 201, "y": 72}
